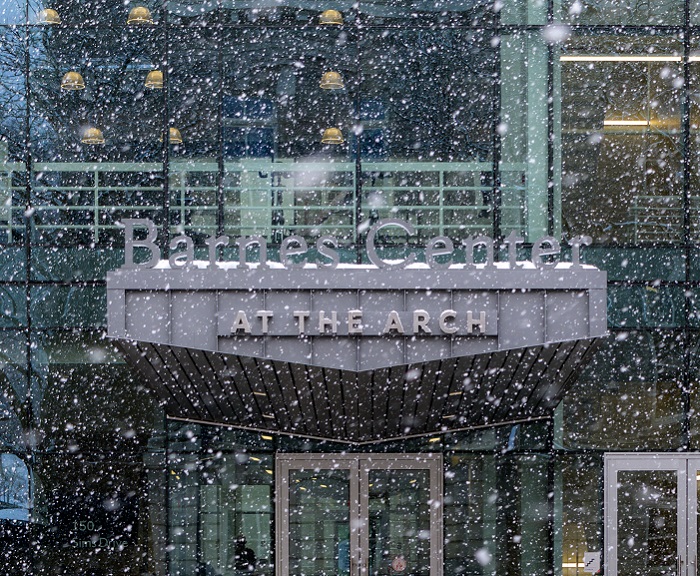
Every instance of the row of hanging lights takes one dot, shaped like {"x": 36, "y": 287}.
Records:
{"x": 331, "y": 80}
{"x": 94, "y": 136}
{"x": 154, "y": 80}
{"x": 141, "y": 15}
{"x": 137, "y": 15}
{"x": 72, "y": 80}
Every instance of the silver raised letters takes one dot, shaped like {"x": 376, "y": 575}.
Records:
{"x": 372, "y": 249}
{"x": 288, "y": 249}
{"x": 301, "y": 316}
{"x": 576, "y": 242}
{"x": 393, "y": 323}
{"x": 325, "y": 322}
{"x": 214, "y": 242}
{"x": 149, "y": 243}
{"x": 246, "y": 242}
{"x": 181, "y": 259}
{"x": 546, "y": 246}
{"x": 512, "y": 242}
{"x": 446, "y": 317}
{"x": 354, "y": 321}
{"x": 240, "y": 323}
{"x": 473, "y": 323}
{"x": 265, "y": 317}
{"x": 471, "y": 243}
{"x": 440, "y": 252}
{"x": 420, "y": 322}
{"x": 439, "y": 246}
{"x": 323, "y": 246}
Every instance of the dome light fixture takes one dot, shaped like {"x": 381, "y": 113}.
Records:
{"x": 330, "y": 18}
{"x": 72, "y": 81}
{"x": 332, "y": 81}
{"x": 332, "y": 136}
{"x": 154, "y": 80}
{"x": 93, "y": 136}
{"x": 48, "y": 16}
{"x": 174, "y": 136}
{"x": 140, "y": 15}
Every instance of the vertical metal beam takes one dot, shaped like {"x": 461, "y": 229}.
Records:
{"x": 220, "y": 173}
{"x": 496, "y": 196}
{"x": 549, "y": 443}
{"x": 357, "y": 36}
{"x": 166, "y": 474}
{"x": 28, "y": 219}
{"x": 165, "y": 244}
{"x": 687, "y": 247}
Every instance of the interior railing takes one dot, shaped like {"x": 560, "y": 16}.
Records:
{"x": 86, "y": 200}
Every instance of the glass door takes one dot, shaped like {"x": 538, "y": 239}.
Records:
{"x": 359, "y": 515}
{"x": 651, "y": 514}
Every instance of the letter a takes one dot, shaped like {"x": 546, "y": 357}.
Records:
{"x": 241, "y": 323}
{"x": 393, "y": 322}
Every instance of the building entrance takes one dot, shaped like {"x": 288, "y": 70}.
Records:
{"x": 651, "y": 508}
{"x": 359, "y": 514}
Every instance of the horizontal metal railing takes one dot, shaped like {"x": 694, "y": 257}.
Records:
{"x": 262, "y": 197}
{"x": 660, "y": 218}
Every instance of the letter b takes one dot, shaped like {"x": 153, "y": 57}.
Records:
{"x": 148, "y": 243}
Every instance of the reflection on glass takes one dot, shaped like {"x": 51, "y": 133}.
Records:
{"x": 470, "y": 513}
{"x": 647, "y": 522}
{"x": 279, "y": 177}
{"x": 216, "y": 504}
{"x": 581, "y": 514}
{"x": 319, "y": 522}
{"x": 426, "y": 118}
{"x": 665, "y": 12}
{"x": 96, "y": 155}
{"x": 631, "y": 384}
{"x": 694, "y": 144}
{"x": 620, "y": 127}
{"x": 13, "y": 175}
{"x": 399, "y": 522}
{"x": 444, "y": 12}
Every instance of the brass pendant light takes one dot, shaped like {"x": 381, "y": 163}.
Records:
{"x": 332, "y": 136}
{"x": 332, "y": 81}
{"x": 48, "y": 16}
{"x": 140, "y": 15}
{"x": 174, "y": 136}
{"x": 154, "y": 80}
{"x": 93, "y": 136}
{"x": 72, "y": 81}
{"x": 330, "y": 18}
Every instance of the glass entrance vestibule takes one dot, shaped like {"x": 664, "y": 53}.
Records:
{"x": 358, "y": 514}
{"x": 471, "y": 504}
{"x": 651, "y": 510}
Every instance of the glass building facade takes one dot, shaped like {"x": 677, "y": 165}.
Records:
{"x": 463, "y": 117}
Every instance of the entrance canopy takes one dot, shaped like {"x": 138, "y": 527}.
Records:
{"x": 396, "y": 402}
{"x": 356, "y": 353}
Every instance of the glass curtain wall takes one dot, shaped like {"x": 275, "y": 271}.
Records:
{"x": 240, "y": 118}
{"x": 497, "y": 504}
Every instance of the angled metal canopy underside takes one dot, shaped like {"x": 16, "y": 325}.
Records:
{"x": 359, "y": 407}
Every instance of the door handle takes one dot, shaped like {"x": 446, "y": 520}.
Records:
{"x": 679, "y": 566}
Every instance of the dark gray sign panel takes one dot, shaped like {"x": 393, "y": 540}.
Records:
{"x": 357, "y": 318}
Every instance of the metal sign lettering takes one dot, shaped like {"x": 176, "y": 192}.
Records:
{"x": 308, "y": 308}
{"x": 545, "y": 251}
